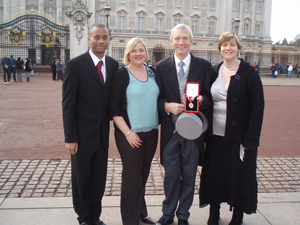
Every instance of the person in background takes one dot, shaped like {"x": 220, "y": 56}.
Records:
{"x": 133, "y": 105}
{"x": 53, "y": 69}
{"x": 85, "y": 98}
{"x": 59, "y": 68}
{"x": 276, "y": 71}
{"x": 235, "y": 122}
{"x": 290, "y": 69}
{"x": 27, "y": 69}
{"x": 19, "y": 67}
{"x": 32, "y": 65}
{"x": 179, "y": 156}
{"x": 6, "y": 65}
{"x": 13, "y": 67}
{"x": 273, "y": 69}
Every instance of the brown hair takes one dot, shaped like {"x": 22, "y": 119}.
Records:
{"x": 228, "y": 36}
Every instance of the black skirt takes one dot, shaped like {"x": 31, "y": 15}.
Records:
{"x": 226, "y": 178}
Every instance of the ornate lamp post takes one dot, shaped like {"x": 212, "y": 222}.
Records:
{"x": 107, "y": 10}
{"x": 236, "y": 25}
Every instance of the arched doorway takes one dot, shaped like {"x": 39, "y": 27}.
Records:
{"x": 158, "y": 54}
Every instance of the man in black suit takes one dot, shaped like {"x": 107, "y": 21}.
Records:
{"x": 179, "y": 156}
{"x": 86, "y": 89}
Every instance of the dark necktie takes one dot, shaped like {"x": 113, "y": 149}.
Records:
{"x": 99, "y": 65}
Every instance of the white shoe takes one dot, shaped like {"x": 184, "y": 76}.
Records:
{"x": 4, "y": 83}
{"x": 7, "y": 82}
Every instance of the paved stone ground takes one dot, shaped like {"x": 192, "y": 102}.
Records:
{"x": 52, "y": 178}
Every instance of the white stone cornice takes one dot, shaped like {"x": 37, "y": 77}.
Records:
{"x": 248, "y": 19}
{"x": 143, "y": 12}
{"x": 160, "y": 13}
{"x": 212, "y": 17}
{"x": 177, "y": 14}
{"x": 195, "y": 15}
{"x": 124, "y": 11}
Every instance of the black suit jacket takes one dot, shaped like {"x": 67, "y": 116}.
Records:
{"x": 167, "y": 81}
{"x": 85, "y": 103}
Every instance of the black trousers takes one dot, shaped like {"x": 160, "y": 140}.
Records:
{"x": 54, "y": 74}
{"x": 88, "y": 183}
{"x": 6, "y": 72}
{"x": 136, "y": 166}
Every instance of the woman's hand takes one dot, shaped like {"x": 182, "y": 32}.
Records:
{"x": 133, "y": 139}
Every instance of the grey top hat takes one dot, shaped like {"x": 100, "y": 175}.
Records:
{"x": 189, "y": 125}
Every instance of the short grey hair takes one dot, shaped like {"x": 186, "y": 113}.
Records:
{"x": 182, "y": 27}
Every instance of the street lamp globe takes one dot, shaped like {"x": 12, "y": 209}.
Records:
{"x": 107, "y": 9}
{"x": 237, "y": 24}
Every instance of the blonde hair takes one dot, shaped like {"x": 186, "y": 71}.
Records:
{"x": 131, "y": 45}
{"x": 228, "y": 36}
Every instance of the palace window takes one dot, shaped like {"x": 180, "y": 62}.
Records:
{"x": 211, "y": 27}
{"x": 257, "y": 29}
{"x": 159, "y": 24}
{"x": 212, "y": 4}
{"x": 247, "y": 5}
{"x": 195, "y": 26}
{"x": 122, "y": 22}
{"x": 246, "y": 29}
{"x": 141, "y": 22}
{"x": 258, "y": 5}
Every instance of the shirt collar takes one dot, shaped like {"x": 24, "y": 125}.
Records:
{"x": 96, "y": 59}
{"x": 186, "y": 60}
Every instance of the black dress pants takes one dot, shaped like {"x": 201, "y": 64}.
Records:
{"x": 54, "y": 74}
{"x": 88, "y": 183}
{"x": 136, "y": 166}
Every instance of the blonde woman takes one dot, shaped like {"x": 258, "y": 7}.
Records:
{"x": 134, "y": 110}
{"x": 229, "y": 170}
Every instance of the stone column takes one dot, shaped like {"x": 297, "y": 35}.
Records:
{"x": 41, "y": 6}
{"x": 22, "y": 6}
{"x": 59, "y": 10}
{"x": 267, "y": 7}
{"x": 91, "y": 6}
{"x": 79, "y": 27}
{"x": 6, "y": 9}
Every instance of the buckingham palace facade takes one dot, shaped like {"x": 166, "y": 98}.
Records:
{"x": 150, "y": 19}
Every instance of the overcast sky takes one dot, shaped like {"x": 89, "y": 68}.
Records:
{"x": 285, "y": 21}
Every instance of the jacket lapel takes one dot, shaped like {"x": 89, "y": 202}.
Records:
{"x": 90, "y": 66}
{"x": 108, "y": 67}
{"x": 171, "y": 73}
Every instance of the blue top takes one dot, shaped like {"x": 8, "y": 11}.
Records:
{"x": 142, "y": 102}
{"x": 13, "y": 61}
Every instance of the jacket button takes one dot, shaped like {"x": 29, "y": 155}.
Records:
{"x": 234, "y": 99}
{"x": 234, "y": 123}
{"x": 237, "y": 77}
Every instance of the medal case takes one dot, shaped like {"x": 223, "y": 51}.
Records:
{"x": 191, "y": 93}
